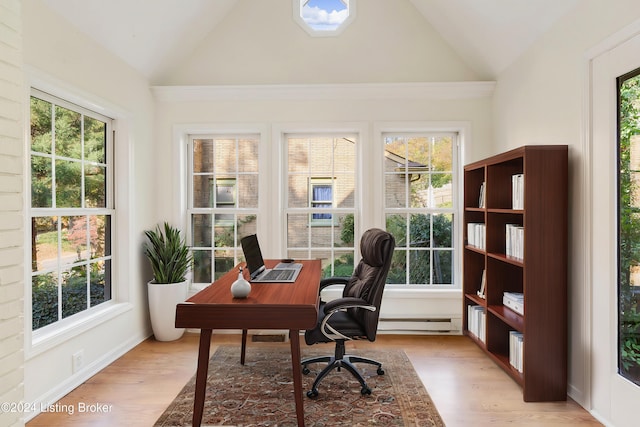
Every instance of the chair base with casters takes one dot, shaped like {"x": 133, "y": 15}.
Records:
{"x": 338, "y": 361}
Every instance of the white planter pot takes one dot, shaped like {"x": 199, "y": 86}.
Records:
{"x": 163, "y": 299}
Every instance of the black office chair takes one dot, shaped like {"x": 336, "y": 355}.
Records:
{"x": 355, "y": 315}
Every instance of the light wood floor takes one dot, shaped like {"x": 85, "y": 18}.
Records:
{"x": 467, "y": 387}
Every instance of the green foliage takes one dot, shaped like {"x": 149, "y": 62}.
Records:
{"x": 168, "y": 254}
{"x": 74, "y": 295}
{"x": 348, "y": 229}
{"x": 420, "y": 236}
{"x": 630, "y": 338}
{"x": 342, "y": 267}
{"x": 629, "y": 224}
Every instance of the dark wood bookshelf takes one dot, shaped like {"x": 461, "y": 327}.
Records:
{"x": 540, "y": 275}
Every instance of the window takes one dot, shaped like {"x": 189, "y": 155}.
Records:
{"x": 324, "y": 17}
{"x": 71, "y": 209}
{"x": 419, "y": 206}
{"x": 628, "y": 226}
{"x": 223, "y": 201}
{"x": 321, "y": 200}
{"x": 321, "y": 193}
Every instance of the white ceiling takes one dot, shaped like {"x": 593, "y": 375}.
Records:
{"x": 151, "y": 35}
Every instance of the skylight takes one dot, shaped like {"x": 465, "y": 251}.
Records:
{"x": 324, "y": 17}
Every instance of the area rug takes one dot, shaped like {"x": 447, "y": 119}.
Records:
{"x": 260, "y": 393}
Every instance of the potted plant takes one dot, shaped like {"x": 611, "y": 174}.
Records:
{"x": 170, "y": 261}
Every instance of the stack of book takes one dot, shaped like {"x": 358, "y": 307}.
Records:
{"x": 515, "y": 301}
{"x": 476, "y": 234}
{"x": 514, "y": 247}
{"x": 476, "y": 320}
{"x": 516, "y": 347}
{"x": 517, "y": 191}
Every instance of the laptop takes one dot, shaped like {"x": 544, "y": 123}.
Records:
{"x": 284, "y": 272}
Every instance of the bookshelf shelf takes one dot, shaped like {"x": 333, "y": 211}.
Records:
{"x": 520, "y": 197}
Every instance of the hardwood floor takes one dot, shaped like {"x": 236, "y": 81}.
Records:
{"x": 467, "y": 387}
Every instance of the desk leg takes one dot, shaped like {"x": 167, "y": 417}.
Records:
{"x": 201, "y": 376}
{"x": 243, "y": 348}
{"x": 294, "y": 337}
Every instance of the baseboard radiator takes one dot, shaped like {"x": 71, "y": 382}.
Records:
{"x": 440, "y": 325}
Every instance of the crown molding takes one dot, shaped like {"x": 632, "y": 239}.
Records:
{"x": 356, "y": 91}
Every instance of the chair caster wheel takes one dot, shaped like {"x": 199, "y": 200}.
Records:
{"x": 365, "y": 390}
{"x": 380, "y": 371}
{"x": 312, "y": 394}
{"x": 305, "y": 371}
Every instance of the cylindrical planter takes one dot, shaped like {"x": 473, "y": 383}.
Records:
{"x": 163, "y": 299}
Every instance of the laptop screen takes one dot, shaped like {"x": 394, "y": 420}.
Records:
{"x": 252, "y": 254}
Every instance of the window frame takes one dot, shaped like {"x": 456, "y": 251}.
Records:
{"x": 217, "y": 209}
{"x": 45, "y": 338}
{"x": 298, "y": 5}
{"x": 462, "y": 130}
{"x": 357, "y": 131}
{"x": 320, "y": 182}
{"x": 627, "y": 290}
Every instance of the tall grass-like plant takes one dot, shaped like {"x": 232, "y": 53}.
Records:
{"x": 168, "y": 253}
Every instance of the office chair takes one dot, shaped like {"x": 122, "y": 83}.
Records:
{"x": 355, "y": 315}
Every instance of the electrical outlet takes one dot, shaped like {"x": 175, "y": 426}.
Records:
{"x": 77, "y": 360}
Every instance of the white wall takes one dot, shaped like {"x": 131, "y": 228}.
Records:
{"x": 325, "y": 107}
{"x": 258, "y": 42}
{"x": 259, "y": 66}
{"x": 11, "y": 214}
{"x": 542, "y": 99}
{"x": 66, "y": 63}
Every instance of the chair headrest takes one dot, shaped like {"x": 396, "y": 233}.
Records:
{"x": 371, "y": 246}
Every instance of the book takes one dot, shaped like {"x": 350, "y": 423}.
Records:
{"x": 514, "y": 301}
{"x": 482, "y": 198}
{"x": 517, "y": 191}
{"x": 476, "y": 321}
{"x": 516, "y": 350}
{"x": 514, "y": 241}
{"x": 483, "y": 284}
{"x": 476, "y": 234}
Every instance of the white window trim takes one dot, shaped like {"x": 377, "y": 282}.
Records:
{"x": 362, "y": 214}
{"x": 37, "y": 342}
{"x": 297, "y": 17}
{"x": 313, "y": 181}
{"x": 182, "y": 133}
{"x": 463, "y": 130}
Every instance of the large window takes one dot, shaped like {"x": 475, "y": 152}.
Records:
{"x": 318, "y": 209}
{"x": 419, "y": 206}
{"x": 71, "y": 209}
{"x": 321, "y": 200}
{"x": 223, "y": 201}
{"x": 629, "y": 226}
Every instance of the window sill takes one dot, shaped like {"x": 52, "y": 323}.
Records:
{"x": 44, "y": 340}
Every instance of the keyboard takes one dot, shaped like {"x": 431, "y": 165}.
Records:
{"x": 279, "y": 275}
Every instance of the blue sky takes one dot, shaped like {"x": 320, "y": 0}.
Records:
{"x": 327, "y": 5}
{"x": 324, "y": 15}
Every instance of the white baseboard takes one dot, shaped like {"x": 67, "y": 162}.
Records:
{"x": 64, "y": 388}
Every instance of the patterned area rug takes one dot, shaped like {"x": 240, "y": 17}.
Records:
{"x": 260, "y": 393}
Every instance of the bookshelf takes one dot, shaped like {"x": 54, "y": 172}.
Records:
{"x": 536, "y": 266}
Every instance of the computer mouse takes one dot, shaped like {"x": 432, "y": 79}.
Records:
{"x": 288, "y": 260}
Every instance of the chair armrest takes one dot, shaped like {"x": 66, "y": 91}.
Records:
{"x": 347, "y": 302}
{"x": 336, "y": 305}
{"x": 333, "y": 281}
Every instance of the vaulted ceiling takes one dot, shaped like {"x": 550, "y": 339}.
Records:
{"x": 153, "y": 35}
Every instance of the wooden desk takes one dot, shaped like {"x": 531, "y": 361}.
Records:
{"x": 292, "y": 306}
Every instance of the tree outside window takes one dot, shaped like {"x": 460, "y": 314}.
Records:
{"x": 70, "y": 209}
{"x": 629, "y": 226}
{"x": 419, "y": 207}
